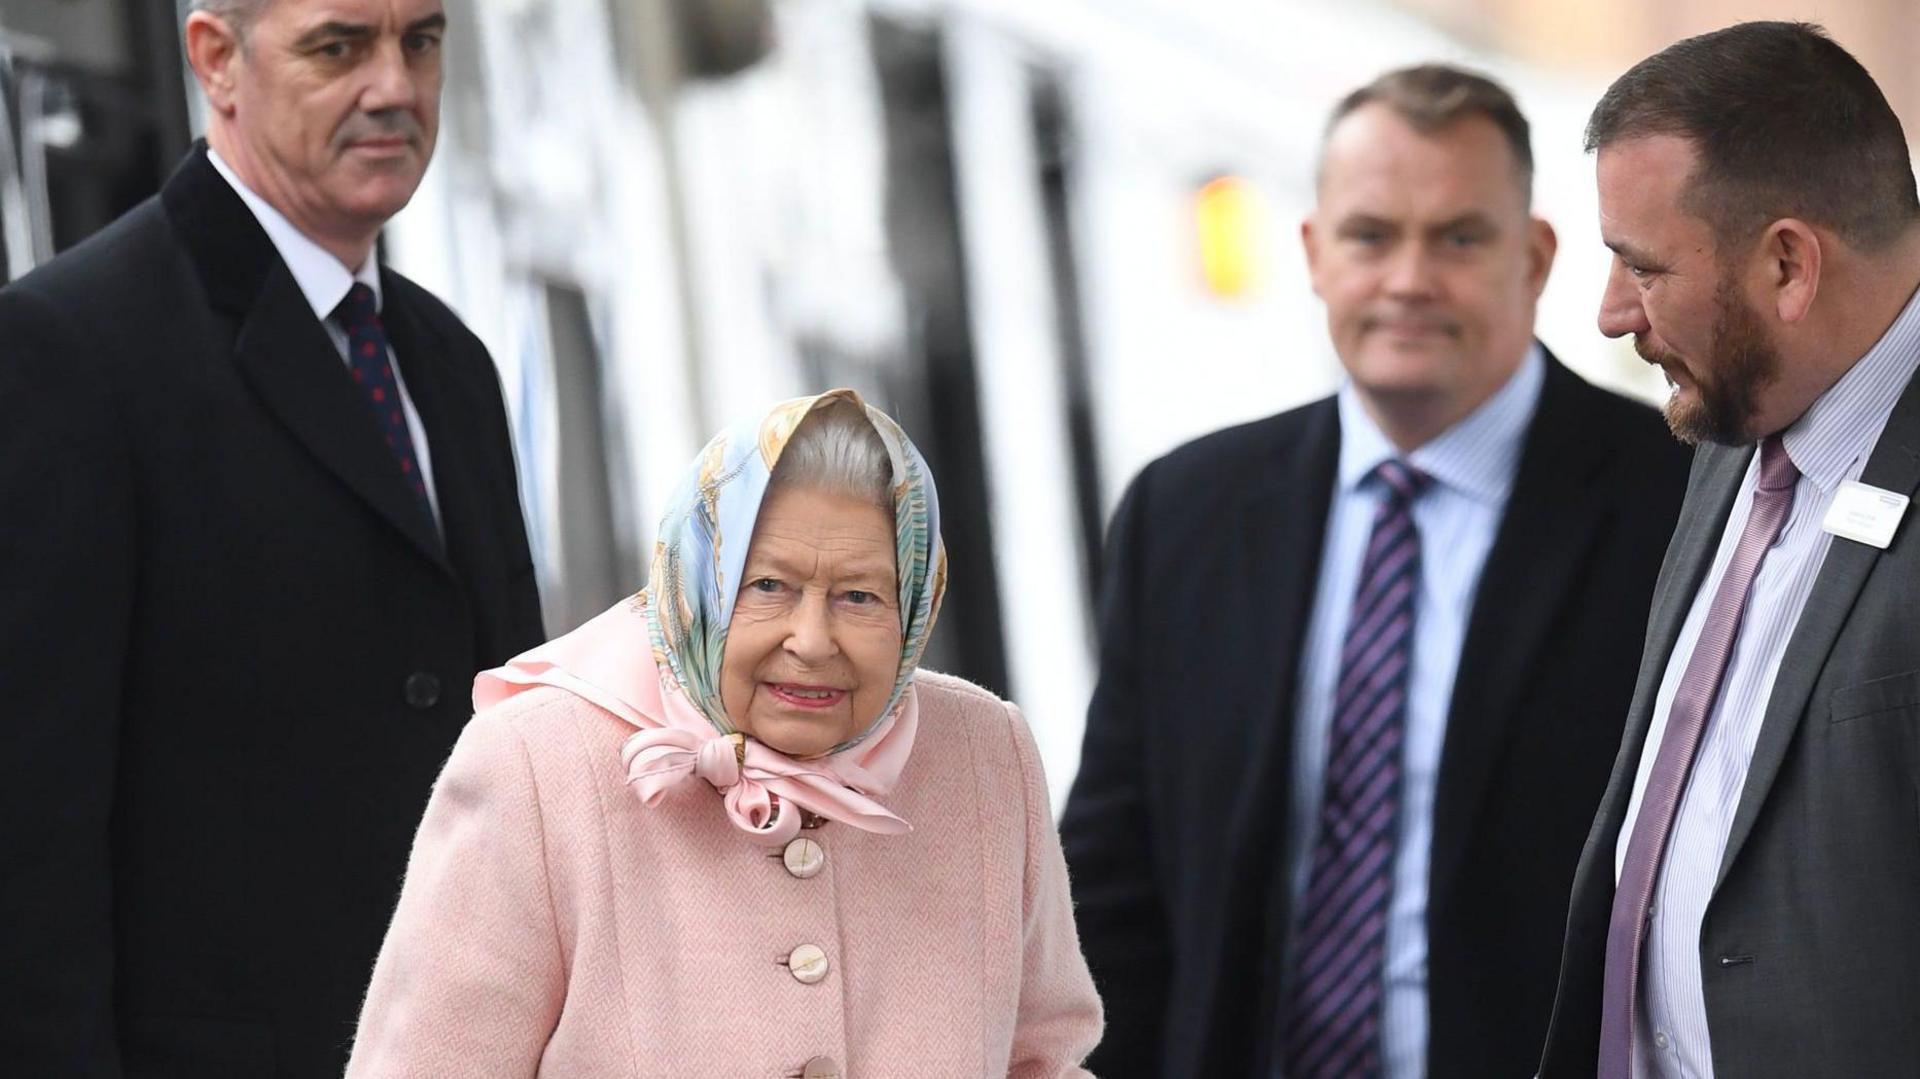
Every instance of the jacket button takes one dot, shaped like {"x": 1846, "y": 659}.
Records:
{"x": 808, "y": 964}
{"x": 422, "y": 690}
{"x": 804, "y": 857}
{"x": 820, "y": 1068}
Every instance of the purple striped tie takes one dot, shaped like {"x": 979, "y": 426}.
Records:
{"x": 1339, "y": 945}
{"x": 1686, "y": 722}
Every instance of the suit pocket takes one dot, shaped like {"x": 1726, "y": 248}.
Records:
{"x": 205, "y": 1047}
{"x": 1893, "y": 694}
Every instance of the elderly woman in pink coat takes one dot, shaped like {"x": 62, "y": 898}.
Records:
{"x": 728, "y": 828}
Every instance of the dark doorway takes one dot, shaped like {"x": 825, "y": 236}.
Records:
{"x": 938, "y": 398}
{"x": 1054, "y": 144}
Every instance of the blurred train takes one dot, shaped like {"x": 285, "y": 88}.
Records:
{"x": 1055, "y": 237}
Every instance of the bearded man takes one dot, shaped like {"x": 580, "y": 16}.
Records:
{"x": 1746, "y": 903}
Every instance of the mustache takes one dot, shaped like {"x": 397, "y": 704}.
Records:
{"x": 385, "y": 124}
{"x": 1654, "y": 354}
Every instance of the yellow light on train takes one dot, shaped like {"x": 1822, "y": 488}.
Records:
{"x": 1230, "y": 226}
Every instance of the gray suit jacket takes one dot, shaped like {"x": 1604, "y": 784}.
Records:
{"x": 1810, "y": 950}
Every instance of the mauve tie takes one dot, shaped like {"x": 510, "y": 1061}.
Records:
{"x": 1686, "y": 722}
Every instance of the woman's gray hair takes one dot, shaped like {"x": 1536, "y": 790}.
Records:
{"x": 836, "y": 450}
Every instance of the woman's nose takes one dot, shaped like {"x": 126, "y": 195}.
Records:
{"x": 810, "y": 629}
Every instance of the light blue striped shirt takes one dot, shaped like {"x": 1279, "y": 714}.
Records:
{"x": 1829, "y": 445}
{"x": 1472, "y": 464}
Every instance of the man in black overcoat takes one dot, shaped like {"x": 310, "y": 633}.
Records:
{"x": 258, "y": 529}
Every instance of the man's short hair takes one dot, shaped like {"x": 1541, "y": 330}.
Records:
{"x": 239, "y": 14}
{"x": 1433, "y": 96}
{"x": 1786, "y": 124}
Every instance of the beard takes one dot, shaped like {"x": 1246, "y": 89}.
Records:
{"x": 1741, "y": 362}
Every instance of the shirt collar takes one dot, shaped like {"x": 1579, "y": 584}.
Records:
{"x": 1476, "y": 456}
{"x": 1846, "y": 420}
{"x": 321, "y": 277}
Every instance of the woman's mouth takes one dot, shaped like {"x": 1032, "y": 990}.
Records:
{"x": 801, "y": 695}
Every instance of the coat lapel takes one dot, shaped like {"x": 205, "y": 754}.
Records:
{"x": 1894, "y": 466}
{"x": 1717, "y": 472}
{"x": 1282, "y": 528}
{"x": 1543, "y": 539}
{"x": 1574, "y": 1031}
{"x": 445, "y": 416}
{"x": 1281, "y": 533}
{"x": 1715, "y": 481}
{"x": 282, "y": 350}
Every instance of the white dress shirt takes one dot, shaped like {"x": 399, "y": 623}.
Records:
{"x": 324, "y": 281}
{"x": 1472, "y": 464}
{"x": 1829, "y": 444}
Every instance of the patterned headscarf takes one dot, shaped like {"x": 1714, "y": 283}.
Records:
{"x": 698, "y": 559}
{"x": 680, "y": 623}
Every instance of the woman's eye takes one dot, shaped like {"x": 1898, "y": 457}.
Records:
{"x": 861, "y": 598}
{"x": 764, "y": 585}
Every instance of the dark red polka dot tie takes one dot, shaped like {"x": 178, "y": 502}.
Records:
{"x": 372, "y": 371}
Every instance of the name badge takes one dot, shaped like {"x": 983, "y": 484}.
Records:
{"x": 1865, "y": 514}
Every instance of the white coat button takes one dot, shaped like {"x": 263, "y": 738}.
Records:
{"x": 808, "y": 964}
{"x": 804, "y": 857}
{"x": 1660, "y": 1039}
{"x": 820, "y": 1068}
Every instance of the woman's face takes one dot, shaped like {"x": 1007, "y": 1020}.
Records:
{"x": 814, "y": 644}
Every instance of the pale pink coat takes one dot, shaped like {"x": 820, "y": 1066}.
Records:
{"x": 552, "y": 925}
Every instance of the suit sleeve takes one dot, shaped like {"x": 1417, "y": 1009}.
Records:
{"x": 470, "y": 980}
{"x": 66, "y": 599}
{"x": 1107, "y": 830}
{"x": 1059, "y": 1020}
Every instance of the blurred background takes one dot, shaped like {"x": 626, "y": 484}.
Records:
{"x": 1054, "y": 237}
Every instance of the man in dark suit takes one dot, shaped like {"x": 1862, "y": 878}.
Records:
{"x": 1361, "y": 662}
{"x": 258, "y": 529}
{"x": 1748, "y": 903}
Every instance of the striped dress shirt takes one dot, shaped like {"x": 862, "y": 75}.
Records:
{"x": 1472, "y": 465}
{"x": 1829, "y": 444}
